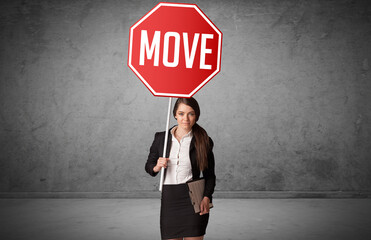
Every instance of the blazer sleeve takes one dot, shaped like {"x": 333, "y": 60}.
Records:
{"x": 209, "y": 173}
{"x": 153, "y": 156}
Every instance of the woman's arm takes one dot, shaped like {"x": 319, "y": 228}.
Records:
{"x": 152, "y": 157}
{"x": 209, "y": 173}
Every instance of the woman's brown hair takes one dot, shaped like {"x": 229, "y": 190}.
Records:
{"x": 200, "y": 135}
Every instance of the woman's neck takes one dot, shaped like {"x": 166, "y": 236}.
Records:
{"x": 180, "y": 132}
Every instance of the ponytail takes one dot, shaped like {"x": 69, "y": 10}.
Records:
{"x": 202, "y": 146}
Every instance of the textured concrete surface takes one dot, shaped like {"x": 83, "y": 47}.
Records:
{"x": 290, "y": 109}
{"x": 253, "y": 219}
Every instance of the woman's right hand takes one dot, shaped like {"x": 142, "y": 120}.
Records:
{"x": 161, "y": 162}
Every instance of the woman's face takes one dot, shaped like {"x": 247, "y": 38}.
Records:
{"x": 185, "y": 116}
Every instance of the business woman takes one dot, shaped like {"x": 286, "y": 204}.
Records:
{"x": 188, "y": 154}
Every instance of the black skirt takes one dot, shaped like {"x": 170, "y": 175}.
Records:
{"x": 178, "y": 218}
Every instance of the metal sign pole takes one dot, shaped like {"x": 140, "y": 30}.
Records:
{"x": 165, "y": 143}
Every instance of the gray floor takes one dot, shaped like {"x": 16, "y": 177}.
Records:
{"x": 273, "y": 219}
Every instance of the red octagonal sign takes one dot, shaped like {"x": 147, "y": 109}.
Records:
{"x": 175, "y": 49}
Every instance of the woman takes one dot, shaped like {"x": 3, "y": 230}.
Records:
{"x": 189, "y": 153}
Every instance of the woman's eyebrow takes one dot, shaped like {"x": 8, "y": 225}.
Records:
{"x": 183, "y": 112}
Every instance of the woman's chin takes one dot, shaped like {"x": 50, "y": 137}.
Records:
{"x": 186, "y": 126}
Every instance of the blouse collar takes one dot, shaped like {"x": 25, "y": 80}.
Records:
{"x": 189, "y": 134}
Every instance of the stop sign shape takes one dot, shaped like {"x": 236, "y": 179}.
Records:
{"x": 175, "y": 49}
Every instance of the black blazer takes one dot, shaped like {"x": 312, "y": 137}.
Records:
{"x": 156, "y": 151}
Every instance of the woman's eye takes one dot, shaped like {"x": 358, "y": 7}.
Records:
{"x": 181, "y": 114}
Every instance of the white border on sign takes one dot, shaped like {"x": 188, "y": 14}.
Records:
{"x": 206, "y": 19}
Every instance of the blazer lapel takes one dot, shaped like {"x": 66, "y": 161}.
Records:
{"x": 169, "y": 141}
{"x": 192, "y": 145}
{"x": 192, "y": 154}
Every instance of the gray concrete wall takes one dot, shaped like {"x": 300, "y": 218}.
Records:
{"x": 290, "y": 110}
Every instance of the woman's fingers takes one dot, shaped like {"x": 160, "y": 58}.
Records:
{"x": 162, "y": 162}
{"x": 204, "y": 206}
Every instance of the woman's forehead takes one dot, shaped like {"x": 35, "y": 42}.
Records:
{"x": 185, "y": 108}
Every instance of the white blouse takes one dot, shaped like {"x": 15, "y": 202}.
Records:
{"x": 179, "y": 168}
